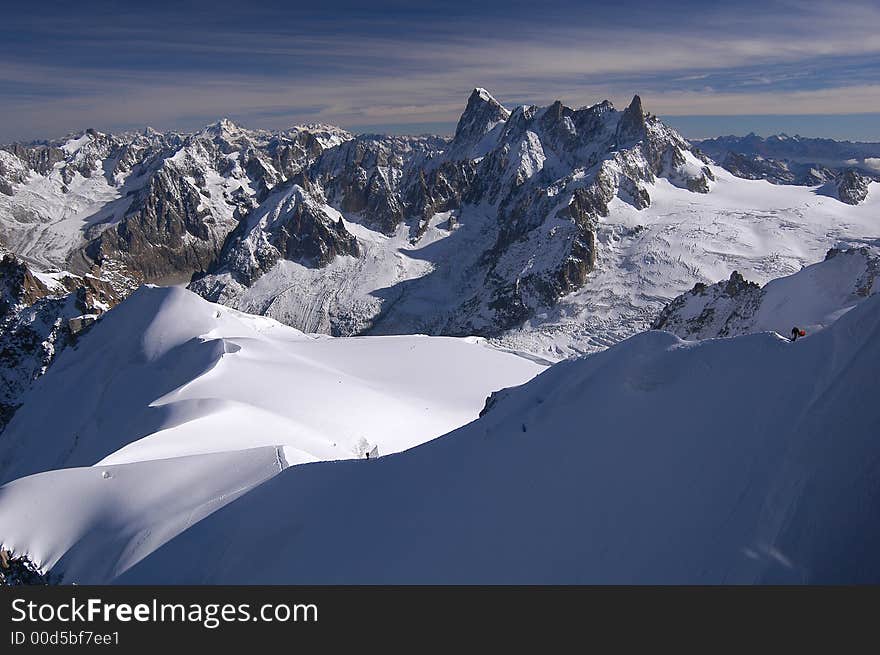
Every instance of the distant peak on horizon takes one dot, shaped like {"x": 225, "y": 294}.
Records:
{"x": 481, "y": 105}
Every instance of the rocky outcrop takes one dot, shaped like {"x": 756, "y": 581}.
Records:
{"x": 18, "y": 286}
{"x": 293, "y": 151}
{"x": 37, "y": 322}
{"x": 12, "y": 172}
{"x": 17, "y": 569}
{"x": 718, "y": 310}
{"x": 439, "y": 189}
{"x": 852, "y": 187}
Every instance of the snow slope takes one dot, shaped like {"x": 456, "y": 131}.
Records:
{"x": 96, "y": 521}
{"x": 172, "y": 406}
{"x": 656, "y": 461}
{"x": 168, "y": 374}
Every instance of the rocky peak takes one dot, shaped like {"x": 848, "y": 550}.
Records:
{"x": 223, "y": 127}
{"x": 481, "y": 114}
{"x": 291, "y": 225}
{"x": 481, "y": 106}
{"x": 737, "y": 284}
{"x": 226, "y": 136}
{"x": 706, "y": 311}
{"x": 735, "y": 306}
{"x": 852, "y": 187}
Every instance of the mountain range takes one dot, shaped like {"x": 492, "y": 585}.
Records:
{"x": 549, "y": 230}
{"x": 845, "y": 167}
{"x": 563, "y": 323}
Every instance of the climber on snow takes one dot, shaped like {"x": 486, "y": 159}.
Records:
{"x": 797, "y": 332}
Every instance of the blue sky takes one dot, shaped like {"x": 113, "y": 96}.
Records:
{"x": 770, "y": 66}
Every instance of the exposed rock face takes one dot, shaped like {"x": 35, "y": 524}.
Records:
{"x": 18, "y": 570}
{"x": 37, "y": 322}
{"x": 12, "y": 172}
{"x": 439, "y": 189}
{"x": 93, "y": 153}
{"x": 551, "y": 175}
{"x": 163, "y": 204}
{"x": 852, "y": 187}
{"x": 40, "y": 158}
{"x": 169, "y": 232}
{"x": 61, "y": 193}
{"x": 18, "y": 286}
{"x": 811, "y": 298}
{"x": 369, "y": 175}
{"x": 293, "y": 226}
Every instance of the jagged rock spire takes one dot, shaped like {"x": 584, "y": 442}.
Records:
{"x": 482, "y": 113}
{"x": 632, "y": 122}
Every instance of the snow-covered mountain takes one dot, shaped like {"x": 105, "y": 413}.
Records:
{"x": 156, "y": 206}
{"x": 549, "y": 229}
{"x": 469, "y": 236}
{"x": 722, "y": 461}
{"x": 810, "y": 299}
